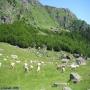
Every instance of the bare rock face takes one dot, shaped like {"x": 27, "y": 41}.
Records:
{"x": 14, "y": 10}
{"x": 31, "y": 1}
{"x": 62, "y": 15}
{"x": 25, "y": 1}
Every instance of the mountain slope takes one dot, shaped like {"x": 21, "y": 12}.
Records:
{"x": 29, "y": 12}
{"x": 62, "y": 15}
{"x": 33, "y": 12}
{"x": 28, "y": 23}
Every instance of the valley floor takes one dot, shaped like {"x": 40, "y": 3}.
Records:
{"x": 45, "y": 78}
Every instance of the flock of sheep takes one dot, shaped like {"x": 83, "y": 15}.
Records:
{"x": 30, "y": 64}
{"x": 61, "y": 65}
{"x": 26, "y": 65}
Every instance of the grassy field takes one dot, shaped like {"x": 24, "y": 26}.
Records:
{"x": 34, "y": 80}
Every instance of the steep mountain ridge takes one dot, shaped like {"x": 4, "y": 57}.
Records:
{"x": 62, "y": 15}
{"x": 34, "y": 13}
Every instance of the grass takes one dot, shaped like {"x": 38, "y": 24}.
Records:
{"x": 33, "y": 80}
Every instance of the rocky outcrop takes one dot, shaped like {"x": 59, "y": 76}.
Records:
{"x": 32, "y": 11}
{"x": 62, "y": 15}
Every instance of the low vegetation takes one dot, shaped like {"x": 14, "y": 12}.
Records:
{"x": 25, "y": 36}
{"x": 34, "y": 80}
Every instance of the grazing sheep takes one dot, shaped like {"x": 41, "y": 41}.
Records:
{"x": 31, "y": 67}
{"x": 74, "y": 66}
{"x": 31, "y": 61}
{"x": 18, "y": 61}
{"x": 60, "y": 66}
{"x": 63, "y": 69}
{"x": 38, "y": 67}
{"x": 42, "y": 62}
{"x": 39, "y": 64}
{"x": 64, "y": 60}
{"x": 26, "y": 68}
{"x": 5, "y": 59}
{"x": 12, "y": 65}
{"x": 1, "y": 54}
{"x": 14, "y": 56}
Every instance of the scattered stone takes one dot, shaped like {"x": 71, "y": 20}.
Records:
{"x": 76, "y": 55}
{"x": 57, "y": 84}
{"x": 67, "y": 88}
{"x": 14, "y": 56}
{"x": 75, "y": 77}
{"x": 64, "y": 60}
{"x": 81, "y": 61}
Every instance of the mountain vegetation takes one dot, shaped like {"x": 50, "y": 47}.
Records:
{"x": 28, "y": 23}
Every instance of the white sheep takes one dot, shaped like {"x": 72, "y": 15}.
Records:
{"x": 42, "y": 62}
{"x": 31, "y": 67}
{"x": 63, "y": 69}
{"x": 5, "y": 59}
{"x": 38, "y": 67}
{"x": 26, "y": 67}
{"x": 31, "y": 61}
{"x": 14, "y": 56}
{"x": 12, "y": 64}
{"x": 74, "y": 66}
{"x": 18, "y": 61}
{"x": 1, "y": 54}
{"x": 39, "y": 64}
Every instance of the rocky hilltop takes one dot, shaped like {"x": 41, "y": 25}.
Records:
{"x": 34, "y": 13}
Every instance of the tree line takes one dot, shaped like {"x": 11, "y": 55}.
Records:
{"x": 26, "y": 36}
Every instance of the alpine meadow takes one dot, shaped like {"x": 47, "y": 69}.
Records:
{"x": 42, "y": 47}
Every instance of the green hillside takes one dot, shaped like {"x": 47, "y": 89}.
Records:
{"x": 63, "y": 16}
{"x": 30, "y": 13}
{"x": 41, "y": 35}
{"x": 26, "y": 36}
{"x": 27, "y": 23}
{"x": 33, "y": 80}
{"x": 34, "y": 13}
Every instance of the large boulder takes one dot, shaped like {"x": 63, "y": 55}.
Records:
{"x": 75, "y": 77}
{"x": 81, "y": 61}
